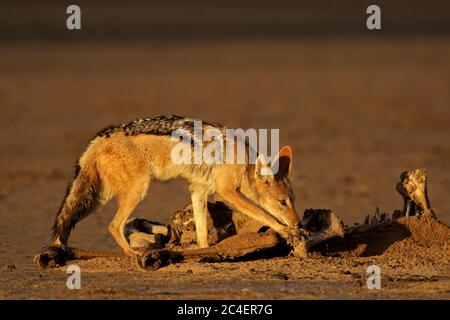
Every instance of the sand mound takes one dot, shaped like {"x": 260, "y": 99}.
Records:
{"x": 426, "y": 232}
{"x": 427, "y": 240}
{"x": 414, "y": 239}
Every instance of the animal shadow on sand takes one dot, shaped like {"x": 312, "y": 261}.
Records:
{"x": 365, "y": 241}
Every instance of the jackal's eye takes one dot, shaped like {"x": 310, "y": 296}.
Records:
{"x": 283, "y": 202}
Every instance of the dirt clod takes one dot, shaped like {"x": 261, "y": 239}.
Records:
{"x": 9, "y": 268}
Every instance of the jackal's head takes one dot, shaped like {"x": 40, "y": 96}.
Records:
{"x": 271, "y": 189}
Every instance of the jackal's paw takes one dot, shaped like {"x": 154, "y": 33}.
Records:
{"x": 300, "y": 250}
{"x": 154, "y": 259}
{"x": 52, "y": 256}
{"x": 292, "y": 235}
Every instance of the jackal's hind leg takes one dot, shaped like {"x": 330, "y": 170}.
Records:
{"x": 117, "y": 225}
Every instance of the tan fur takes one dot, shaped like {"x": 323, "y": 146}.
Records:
{"x": 124, "y": 166}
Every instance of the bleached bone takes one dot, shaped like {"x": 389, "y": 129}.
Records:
{"x": 413, "y": 189}
{"x": 142, "y": 225}
{"x": 145, "y": 240}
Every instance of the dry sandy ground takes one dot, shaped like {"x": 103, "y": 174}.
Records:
{"x": 356, "y": 112}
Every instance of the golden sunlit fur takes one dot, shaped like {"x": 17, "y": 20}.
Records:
{"x": 124, "y": 166}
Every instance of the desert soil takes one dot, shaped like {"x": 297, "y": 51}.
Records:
{"x": 356, "y": 112}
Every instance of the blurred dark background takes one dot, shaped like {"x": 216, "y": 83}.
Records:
{"x": 26, "y": 20}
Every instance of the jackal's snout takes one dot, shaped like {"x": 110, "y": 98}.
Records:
{"x": 292, "y": 219}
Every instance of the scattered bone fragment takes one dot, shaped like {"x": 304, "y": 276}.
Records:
{"x": 52, "y": 256}
{"x": 377, "y": 218}
{"x": 367, "y": 219}
{"x": 142, "y": 225}
{"x": 413, "y": 189}
{"x": 145, "y": 240}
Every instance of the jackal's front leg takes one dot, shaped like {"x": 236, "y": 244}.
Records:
{"x": 199, "y": 198}
{"x": 291, "y": 234}
{"x": 238, "y": 202}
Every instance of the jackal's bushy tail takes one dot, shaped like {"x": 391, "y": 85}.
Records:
{"x": 80, "y": 200}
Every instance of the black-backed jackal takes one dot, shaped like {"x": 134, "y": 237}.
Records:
{"x": 122, "y": 162}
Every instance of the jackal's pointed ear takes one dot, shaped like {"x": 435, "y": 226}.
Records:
{"x": 262, "y": 169}
{"x": 283, "y": 162}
